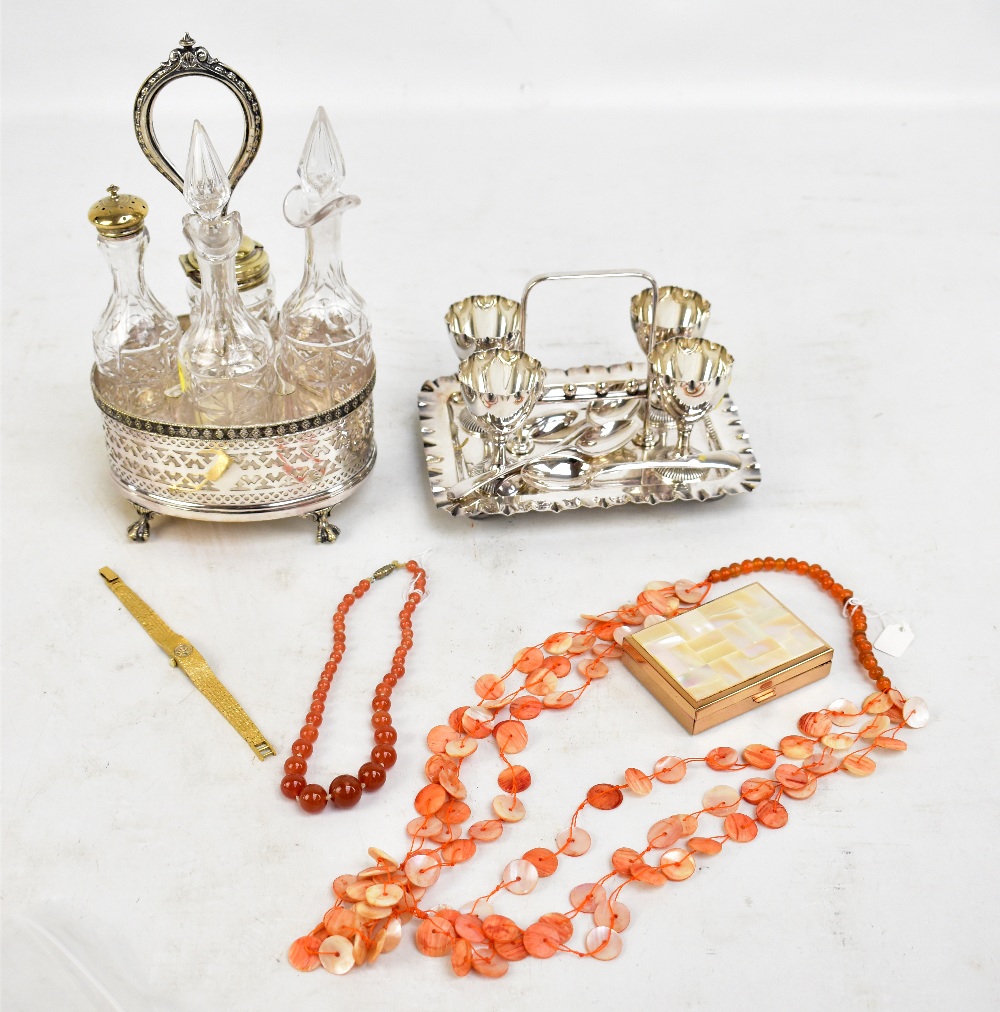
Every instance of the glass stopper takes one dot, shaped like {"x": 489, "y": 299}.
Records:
{"x": 321, "y": 167}
{"x": 206, "y": 183}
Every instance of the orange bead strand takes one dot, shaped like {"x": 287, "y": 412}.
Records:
{"x": 345, "y": 791}
{"x": 855, "y": 613}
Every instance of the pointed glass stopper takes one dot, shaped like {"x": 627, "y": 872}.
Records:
{"x": 321, "y": 168}
{"x": 206, "y": 182}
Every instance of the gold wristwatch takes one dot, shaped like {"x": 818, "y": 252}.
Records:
{"x": 185, "y": 656}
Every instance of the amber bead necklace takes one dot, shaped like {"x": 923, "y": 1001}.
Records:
{"x": 345, "y": 791}
{"x": 370, "y": 908}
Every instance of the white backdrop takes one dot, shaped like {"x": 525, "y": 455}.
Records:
{"x": 827, "y": 177}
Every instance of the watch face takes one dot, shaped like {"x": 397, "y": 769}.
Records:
{"x": 734, "y": 639}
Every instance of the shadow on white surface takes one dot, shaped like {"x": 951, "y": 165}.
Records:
{"x": 52, "y": 962}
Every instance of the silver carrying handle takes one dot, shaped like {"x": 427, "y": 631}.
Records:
{"x": 624, "y": 272}
{"x": 192, "y": 60}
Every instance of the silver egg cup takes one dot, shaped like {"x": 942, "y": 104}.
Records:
{"x": 692, "y": 376}
{"x": 678, "y": 312}
{"x": 482, "y": 323}
{"x": 500, "y": 388}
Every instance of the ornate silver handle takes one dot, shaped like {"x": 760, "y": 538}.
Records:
{"x": 191, "y": 60}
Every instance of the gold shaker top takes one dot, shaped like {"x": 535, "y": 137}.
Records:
{"x": 118, "y": 215}
{"x": 252, "y": 265}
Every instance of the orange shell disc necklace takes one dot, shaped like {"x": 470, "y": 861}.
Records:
{"x": 371, "y": 908}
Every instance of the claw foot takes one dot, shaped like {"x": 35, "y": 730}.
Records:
{"x": 326, "y": 533}
{"x": 139, "y": 531}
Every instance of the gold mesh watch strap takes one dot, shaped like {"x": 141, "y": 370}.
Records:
{"x": 184, "y": 655}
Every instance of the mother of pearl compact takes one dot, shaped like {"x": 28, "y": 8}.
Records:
{"x": 726, "y": 657}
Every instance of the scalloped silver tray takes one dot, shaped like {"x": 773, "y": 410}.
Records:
{"x": 454, "y": 453}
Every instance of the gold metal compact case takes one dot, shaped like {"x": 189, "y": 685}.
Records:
{"x": 726, "y": 657}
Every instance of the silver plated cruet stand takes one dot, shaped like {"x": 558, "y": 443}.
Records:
{"x": 250, "y": 453}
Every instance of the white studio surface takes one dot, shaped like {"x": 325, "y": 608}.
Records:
{"x": 827, "y": 177}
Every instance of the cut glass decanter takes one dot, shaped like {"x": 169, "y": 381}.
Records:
{"x": 226, "y": 356}
{"x": 324, "y": 334}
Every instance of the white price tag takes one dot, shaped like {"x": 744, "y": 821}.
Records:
{"x": 894, "y": 639}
